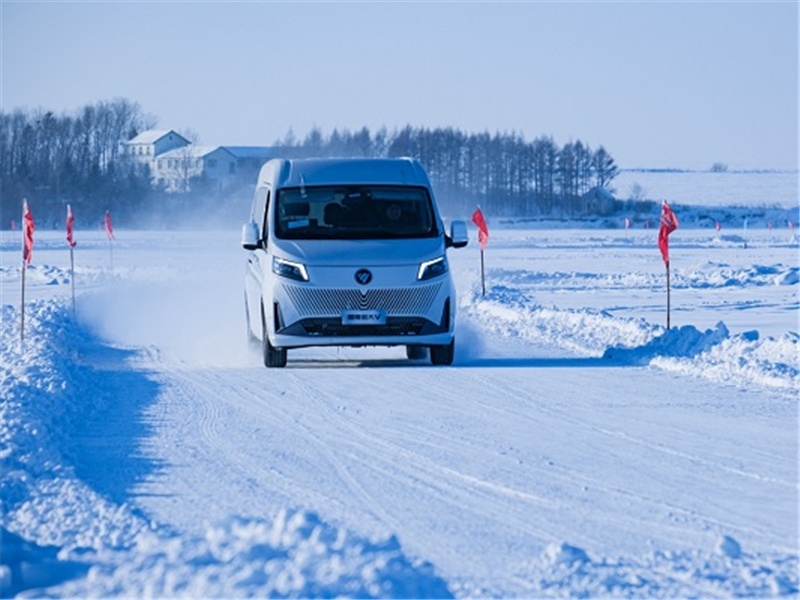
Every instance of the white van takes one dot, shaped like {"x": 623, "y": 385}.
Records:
{"x": 349, "y": 252}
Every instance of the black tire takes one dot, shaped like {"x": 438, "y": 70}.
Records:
{"x": 273, "y": 357}
{"x": 416, "y": 352}
{"x": 443, "y": 355}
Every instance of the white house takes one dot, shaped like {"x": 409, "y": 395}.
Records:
{"x": 147, "y": 145}
{"x": 176, "y": 168}
{"x": 175, "y": 161}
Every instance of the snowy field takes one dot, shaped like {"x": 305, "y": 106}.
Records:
{"x": 575, "y": 449}
{"x": 703, "y": 188}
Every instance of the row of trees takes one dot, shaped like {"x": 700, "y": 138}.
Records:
{"x": 54, "y": 159}
{"x": 503, "y": 172}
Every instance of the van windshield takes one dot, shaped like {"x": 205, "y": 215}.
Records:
{"x": 354, "y": 212}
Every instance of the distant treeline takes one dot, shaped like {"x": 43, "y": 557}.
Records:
{"x": 55, "y": 159}
{"x": 502, "y": 172}
{"x": 77, "y": 158}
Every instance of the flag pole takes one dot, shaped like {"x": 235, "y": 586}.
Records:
{"x": 72, "y": 276}
{"x": 483, "y": 238}
{"x": 22, "y": 303}
{"x": 669, "y": 223}
{"x": 110, "y": 234}
{"x": 483, "y": 278}
{"x": 668, "y": 296}
{"x": 24, "y": 269}
{"x": 71, "y": 244}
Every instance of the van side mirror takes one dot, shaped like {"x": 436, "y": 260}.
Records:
{"x": 458, "y": 235}
{"x": 250, "y": 239}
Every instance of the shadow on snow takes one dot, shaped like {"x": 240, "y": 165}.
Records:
{"x": 108, "y": 449}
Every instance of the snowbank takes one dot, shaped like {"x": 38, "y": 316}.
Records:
{"x": 56, "y": 528}
{"x": 720, "y": 275}
{"x": 684, "y": 342}
{"x": 744, "y": 359}
{"x": 294, "y": 556}
{"x": 715, "y": 355}
{"x": 724, "y": 571}
{"x": 506, "y": 312}
{"x": 708, "y": 275}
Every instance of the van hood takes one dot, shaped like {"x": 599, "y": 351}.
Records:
{"x": 359, "y": 252}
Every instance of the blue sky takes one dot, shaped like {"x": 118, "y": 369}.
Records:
{"x": 659, "y": 84}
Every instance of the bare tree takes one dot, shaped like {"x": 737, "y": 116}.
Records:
{"x": 605, "y": 169}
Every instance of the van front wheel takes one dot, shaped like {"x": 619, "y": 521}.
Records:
{"x": 273, "y": 357}
{"x": 443, "y": 355}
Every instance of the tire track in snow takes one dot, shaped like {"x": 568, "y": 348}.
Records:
{"x": 510, "y": 389}
{"x": 340, "y": 466}
{"x": 215, "y": 390}
{"x": 404, "y": 465}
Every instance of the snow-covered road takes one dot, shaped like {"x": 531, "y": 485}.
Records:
{"x": 479, "y": 467}
{"x": 535, "y": 466}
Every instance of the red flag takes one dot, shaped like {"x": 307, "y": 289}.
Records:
{"x": 70, "y": 219}
{"x": 669, "y": 223}
{"x": 483, "y": 231}
{"x": 109, "y": 228}
{"x": 27, "y": 240}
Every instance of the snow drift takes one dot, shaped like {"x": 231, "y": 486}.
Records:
{"x": 714, "y": 354}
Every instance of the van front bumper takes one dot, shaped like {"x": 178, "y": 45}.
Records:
{"x": 294, "y": 341}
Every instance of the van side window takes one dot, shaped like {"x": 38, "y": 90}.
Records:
{"x": 260, "y": 206}
{"x": 264, "y": 223}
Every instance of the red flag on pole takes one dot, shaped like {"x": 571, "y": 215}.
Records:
{"x": 669, "y": 223}
{"x": 109, "y": 228}
{"x": 27, "y": 240}
{"x": 483, "y": 231}
{"x": 70, "y": 219}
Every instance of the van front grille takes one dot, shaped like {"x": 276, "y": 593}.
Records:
{"x": 332, "y": 301}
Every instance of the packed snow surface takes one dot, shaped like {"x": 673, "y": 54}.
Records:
{"x": 576, "y": 448}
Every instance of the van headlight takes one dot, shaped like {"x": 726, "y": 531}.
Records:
{"x": 432, "y": 268}
{"x": 289, "y": 269}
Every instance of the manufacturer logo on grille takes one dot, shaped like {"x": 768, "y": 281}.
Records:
{"x": 363, "y": 276}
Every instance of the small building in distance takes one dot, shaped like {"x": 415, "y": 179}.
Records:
{"x": 177, "y": 168}
{"x": 144, "y": 148}
{"x": 598, "y": 201}
{"x": 177, "y": 163}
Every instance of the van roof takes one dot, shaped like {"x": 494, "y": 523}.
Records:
{"x": 334, "y": 171}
